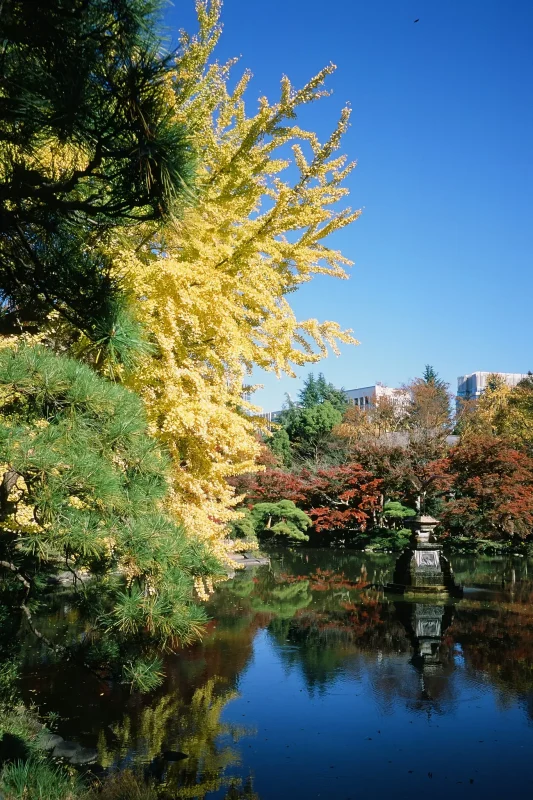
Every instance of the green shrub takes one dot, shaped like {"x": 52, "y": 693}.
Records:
{"x": 394, "y": 513}
{"x": 280, "y": 521}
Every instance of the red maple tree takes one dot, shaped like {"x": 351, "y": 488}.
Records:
{"x": 269, "y": 486}
{"x": 340, "y": 498}
{"x": 491, "y": 491}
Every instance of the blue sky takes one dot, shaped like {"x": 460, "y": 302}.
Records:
{"x": 442, "y": 130}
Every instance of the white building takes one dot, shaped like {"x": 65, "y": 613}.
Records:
{"x": 270, "y": 416}
{"x": 366, "y": 396}
{"x": 473, "y": 385}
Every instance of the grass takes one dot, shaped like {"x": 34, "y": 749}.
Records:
{"x": 19, "y": 722}
{"x": 27, "y": 773}
{"x": 37, "y": 780}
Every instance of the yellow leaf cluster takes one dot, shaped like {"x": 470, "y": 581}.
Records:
{"x": 500, "y": 411}
{"x": 20, "y": 518}
{"x": 212, "y": 287}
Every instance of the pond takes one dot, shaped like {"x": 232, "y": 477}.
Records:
{"x": 308, "y": 685}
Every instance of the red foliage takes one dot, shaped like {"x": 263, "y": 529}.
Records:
{"x": 356, "y": 620}
{"x": 266, "y": 458}
{"x": 341, "y": 498}
{"x": 492, "y": 489}
{"x": 270, "y": 486}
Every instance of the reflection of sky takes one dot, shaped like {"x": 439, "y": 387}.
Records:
{"x": 366, "y": 732}
{"x": 337, "y": 696}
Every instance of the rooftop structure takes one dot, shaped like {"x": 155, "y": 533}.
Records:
{"x": 473, "y": 385}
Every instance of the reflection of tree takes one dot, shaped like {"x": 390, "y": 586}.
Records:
{"x": 283, "y": 600}
{"x": 497, "y": 637}
{"x": 132, "y": 730}
{"x": 169, "y": 724}
{"x": 260, "y": 597}
{"x": 412, "y": 665}
{"x": 322, "y": 622}
{"x": 328, "y": 633}
{"x": 379, "y": 567}
{"x": 318, "y": 659}
{"x": 504, "y": 574}
{"x": 325, "y": 613}
{"x": 498, "y": 640}
{"x": 244, "y": 792}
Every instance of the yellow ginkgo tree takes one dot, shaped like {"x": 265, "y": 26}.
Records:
{"x": 212, "y": 288}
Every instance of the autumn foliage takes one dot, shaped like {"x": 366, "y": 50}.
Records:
{"x": 215, "y": 283}
{"x": 338, "y": 499}
{"x": 491, "y": 489}
{"x": 481, "y": 489}
{"x": 342, "y": 498}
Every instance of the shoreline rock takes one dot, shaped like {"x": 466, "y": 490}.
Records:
{"x": 250, "y": 559}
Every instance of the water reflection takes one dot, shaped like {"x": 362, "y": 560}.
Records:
{"x": 431, "y": 689}
{"x": 308, "y": 670}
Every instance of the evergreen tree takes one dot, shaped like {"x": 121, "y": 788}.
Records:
{"x": 82, "y": 487}
{"x": 309, "y": 396}
{"x": 282, "y": 520}
{"x": 87, "y": 143}
{"x": 310, "y": 429}
{"x": 307, "y": 426}
{"x": 395, "y": 513}
{"x": 319, "y": 390}
{"x": 429, "y": 375}
{"x": 280, "y": 444}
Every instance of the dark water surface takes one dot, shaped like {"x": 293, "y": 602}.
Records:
{"x": 307, "y": 685}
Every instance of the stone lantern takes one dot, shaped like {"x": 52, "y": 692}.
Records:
{"x": 423, "y": 526}
{"x": 422, "y": 568}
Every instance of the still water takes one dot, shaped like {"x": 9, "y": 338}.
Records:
{"x": 307, "y": 685}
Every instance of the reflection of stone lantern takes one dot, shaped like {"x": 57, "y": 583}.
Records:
{"x": 425, "y": 624}
{"x": 422, "y": 568}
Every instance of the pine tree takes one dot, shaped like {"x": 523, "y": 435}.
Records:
{"x": 83, "y": 487}
{"x": 281, "y": 521}
{"x": 87, "y": 145}
{"x": 309, "y": 395}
